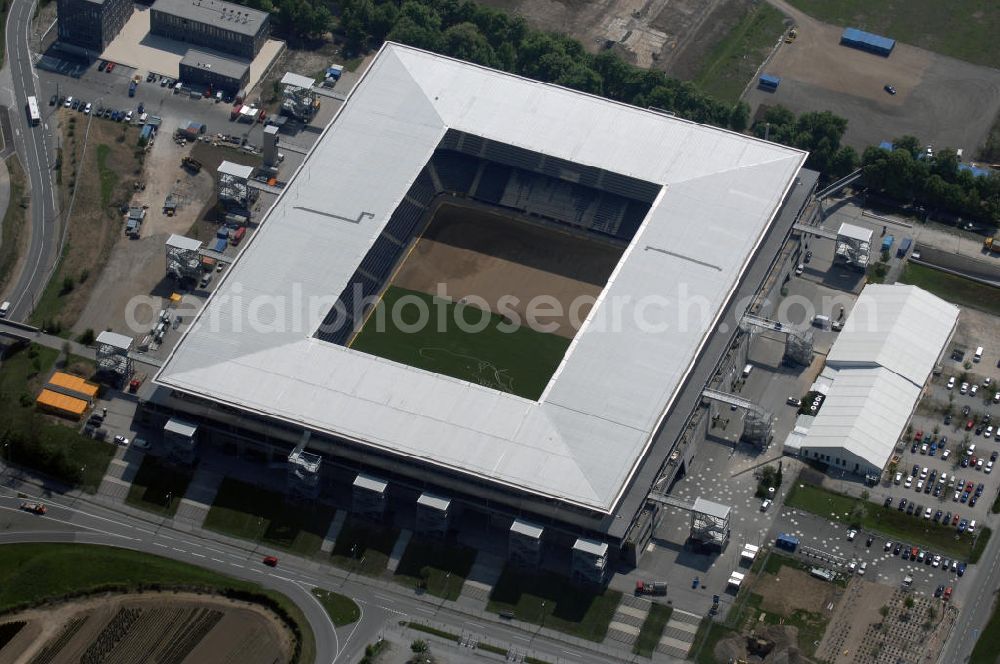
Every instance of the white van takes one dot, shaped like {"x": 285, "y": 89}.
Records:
{"x": 4, "y": 309}
{"x": 822, "y": 322}
{"x": 978, "y": 355}
{"x": 746, "y": 370}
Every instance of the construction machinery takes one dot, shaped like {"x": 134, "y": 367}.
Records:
{"x": 992, "y": 244}
{"x": 191, "y": 164}
{"x": 650, "y": 587}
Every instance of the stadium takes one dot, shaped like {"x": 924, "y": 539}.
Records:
{"x": 445, "y": 186}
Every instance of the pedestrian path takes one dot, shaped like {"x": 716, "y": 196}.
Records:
{"x": 628, "y": 619}
{"x": 397, "y": 551}
{"x": 117, "y": 481}
{"x": 678, "y": 635}
{"x": 333, "y": 532}
{"x": 483, "y": 576}
{"x": 199, "y": 497}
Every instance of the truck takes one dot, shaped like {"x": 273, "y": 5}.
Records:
{"x": 137, "y": 380}
{"x": 786, "y": 542}
{"x": 238, "y": 235}
{"x": 191, "y": 164}
{"x": 35, "y": 508}
{"x": 887, "y": 242}
{"x": 220, "y": 244}
{"x": 650, "y": 587}
{"x": 131, "y": 88}
{"x": 904, "y": 247}
{"x": 992, "y": 244}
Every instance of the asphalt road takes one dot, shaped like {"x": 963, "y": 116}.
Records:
{"x": 32, "y": 144}
{"x": 982, "y": 584}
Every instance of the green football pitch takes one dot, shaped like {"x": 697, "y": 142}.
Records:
{"x": 520, "y": 361}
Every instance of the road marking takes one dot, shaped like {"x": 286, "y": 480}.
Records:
{"x": 384, "y": 598}
{"x": 70, "y": 523}
{"x": 143, "y": 530}
{"x": 236, "y": 565}
{"x": 197, "y": 555}
{"x": 174, "y": 548}
{"x": 208, "y": 548}
{"x": 218, "y": 561}
{"x": 572, "y": 652}
{"x": 159, "y": 544}
{"x": 475, "y": 625}
{"x": 423, "y": 610}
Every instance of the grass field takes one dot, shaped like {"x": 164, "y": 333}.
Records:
{"x": 38, "y": 441}
{"x": 652, "y": 629}
{"x": 733, "y": 60}
{"x": 342, "y": 610}
{"x": 33, "y": 572}
{"x": 441, "y": 567}
{"x": 12, "y": 235}
{"x": 364, "y": 547}
{"x": 520, "y": 362}
{"x": 951, "y": 288}
{"x": 964, "y": 29}
{"x": 988, "y": 644}
{"x": 556, "y": 602}
{"x": 890, "y": 522}
{"x": 158, "y": 486}
{"x": 250, "y": 512}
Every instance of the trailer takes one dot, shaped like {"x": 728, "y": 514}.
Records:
{"x": 220, "y": 244}
{"x": 887, "y": 242}
{"x": 191, "y": 164}
{"x": 904, "y": 247}
{"x": 786, "y": 542}
{"x": 769, "y": 82}
{"x": 650, "y": 587}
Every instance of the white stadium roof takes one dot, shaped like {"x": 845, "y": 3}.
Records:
{"x": 879, "y": 365}
{"x": 582, "y": 441}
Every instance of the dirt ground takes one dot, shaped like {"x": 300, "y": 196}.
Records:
{"x": 794, "y": 590}
{"x": 941, "y": 100}
{"x": 475, "y": 252}
{"x": 163, "y": 627}
{"x": 672, "y": 35}
{"x": 785, "y": 650}
{"x": 93, "y": 228}
{"x": 138, "y": 267}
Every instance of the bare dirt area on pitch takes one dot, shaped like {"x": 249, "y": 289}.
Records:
{"x": 477, "y": 253}
{"x": 175, "y": 627}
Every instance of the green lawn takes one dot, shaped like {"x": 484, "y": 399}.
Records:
{"x": 952, "y": 288}
{"x": 890, "y": 522}
{"x": 652, "y": 629}
{"x": 556, "y": 602}
{"x": 963, "y": 29}
{"x": 443, "y": 567}
{"x": 250, "y": 512}
{"x": 342, "y": 610}
{"x": 364, "y": 547}
{"x": 158, "y": 486}
{"x": 38, "y": 441}
{"x": 733, "y": 60}
{"x": 520, "y": 361}
{"x": 109, "y": 177}
{"x": 12, "y": 231}
{"x": 30, "y": 573}
{"x": 988, "y": 644}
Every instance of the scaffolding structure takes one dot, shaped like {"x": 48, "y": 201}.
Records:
{"x": 233, "y": 188}
{"x": 113, "y": 354}
{"x": 303, "y": 470}
{"x": 710, "y": 523}
{"x": 590, "y": 560}
{"x": 433, "y": 515}
{"x": 758, "y": 424}
{"x": 524, "y": 543}
{"x": 369, "y": 496}
{"x": 854, "y": 245}
{"x": 297, "y": 98}
{"x": 183, "y": 260}
{"x": 798, "y": 343}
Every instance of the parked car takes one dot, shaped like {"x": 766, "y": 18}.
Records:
{"x": 951, "y": 383}
{"x": 890, "y": 89}
{"x": 851, "y": 534}
{"x": 110, "y": 67}
{"x": 791, "y": 401}
{"x": 973, "y": 389}
{"x": 271, "y": 561}
{"x": 961, "y": 569}
{"x": 121, "y": 440}
{"x": 141, "y": 444}
{"x": 964, "y": 388}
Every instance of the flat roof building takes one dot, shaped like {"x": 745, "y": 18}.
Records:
{"x": 221, "y": 26}
{"x": 571, "y": 454}
{"x": 877, "y": 368}
{"x": 88, "y": 26}
{"x": 218, "y": 72}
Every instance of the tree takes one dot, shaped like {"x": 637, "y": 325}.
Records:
{"x": 465, "y": 42}
{"x": 419, "y": 646}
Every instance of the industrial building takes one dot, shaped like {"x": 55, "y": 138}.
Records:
{"x": 874, "y": 377}
{"x": 696, "y": 205}
{"x": 88, "y": 26}
{"x": 214, "y": 71}
{"x": 220, "y": 26}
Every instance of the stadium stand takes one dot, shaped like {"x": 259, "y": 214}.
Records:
{"x": 506, "y": 176}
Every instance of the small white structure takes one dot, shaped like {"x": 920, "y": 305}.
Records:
{"x": 878, "y": 367}
{"x": 181, "y": 439}
{"x": 736, "y": 580}
{"x": 749, "y": 553}
{"x": 590, "y": 560}
{"x": 854, "y": 245}
{"x": 433, "y": 512}
{"x": 369, "y": 496}
{"x": 524, "y": 543}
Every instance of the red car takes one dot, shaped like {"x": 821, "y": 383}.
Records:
{"x": 917, "y": 437}
{"x": 271, "y": 561}
{"x": 110, "y": 68}
{"x": 955, "y": 519}
{"x": 969, "y": 425}
{"x": 947, "y": 594}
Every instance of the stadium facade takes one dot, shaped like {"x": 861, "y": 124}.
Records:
{"x": 702, "y": 214}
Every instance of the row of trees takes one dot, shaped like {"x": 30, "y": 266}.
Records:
{"x": 906, "y": 174}
{"x": 490, "y": 37}
{"x": 818, "y": 132}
